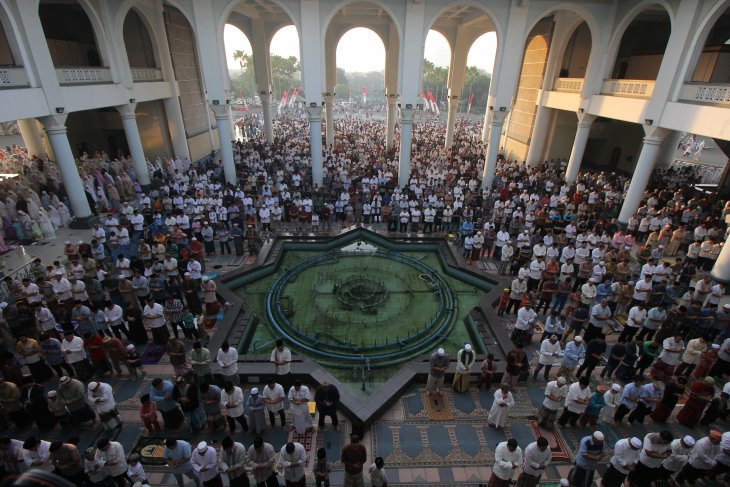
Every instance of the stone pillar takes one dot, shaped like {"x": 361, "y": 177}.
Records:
{"x": 231, "y": 125}
{"x": 176, "y": 126}
{"x": 644, "y": 167}
{"x": 265, "y": 97}
{"x": 390, "y": 120}
{"x": 224, "y": 138}
{"x": 32, "y": 139}
{"x": 329, "y": 105}
{"x": 539, "y": 136}
{"x": 406, "y": 135}
{"x": 451, "y": 119}
{"x": 579, "y": 146}
{"x": 136, "y": 151}
{"x": 721, "y": 269}
{"x": 495, "y": 134}
{"x": 55, "y": 126}
{"x": 315, "y": 143}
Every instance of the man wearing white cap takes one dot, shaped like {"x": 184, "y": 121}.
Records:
{"x": 592, "y": 450}
{"x": 680, "y": 451}
{"x": 100, "y": 398}
{"x": 465, "y": 358}
{"x": 612, "y": 398}
{"x": 655, "y": 449}
{"x": 255, "y": 405}
{"x": 439, "y": 363}
{"x": 205, "y": 461}
{"x": 625, "y": 457}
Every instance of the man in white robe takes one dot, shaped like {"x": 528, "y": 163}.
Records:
{"x": 299, "y": 398}
{"x": 503, "y": 402}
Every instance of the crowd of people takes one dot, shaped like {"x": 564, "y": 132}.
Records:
{"x": 142, "y": 272}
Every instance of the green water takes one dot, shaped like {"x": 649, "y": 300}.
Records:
{"x": 408, "y": 306}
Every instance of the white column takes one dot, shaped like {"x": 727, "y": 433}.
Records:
{"x": 406, "y": 134}
{"x": 176, "y": 126}
{"x": 644, "y": 167}
{"x": 329, "y": 105}
{"x": 451, "y": 120}
{"x": 32, "y": 139}
{"x": 136, "y": 151}
{"x": 315, "y": 143}
{"x": 224, "y": 138}
{"x": 231, "y": 125}
{"x": 721, "y": 269}
{"x": 539, "y": 136}
{"x": 579, "y": 146}
{"x": 56, "y": 130}
{"x": 265, "y": 97}
{"x": 495, "y": 134}
{"x": 390, "y": 120}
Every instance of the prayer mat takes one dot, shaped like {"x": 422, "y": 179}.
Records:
{"x": 152, "y": 354}
{"x": 557, "y": 446}
{"x": 437, "y": 407}
{"x": 307, "y": 441}
{"x": 150, "y": 450}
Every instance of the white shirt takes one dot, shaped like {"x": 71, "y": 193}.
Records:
{"x": 575, "y": 393}
{"x": 299, "y": 455}
{"x": 42, "y": 454}
{"x": 102, "y": 400}
{"x": 115, "y": 315}
{"x": 229, "y": 359}
{"x": 285, "y": 354}
{"x": 549, "y": 352}
{"x": 671, "y": 358}
{"x": 76, "y": 347}
{"x": 273, "y": 394}
{"x": 115, "y": 453}
{"x": 208, "y": 460}
{"x": 680, "y": 453}
{"x": 624, "y": 455}
{"x": 503, "y": 460}
{"x": 642, "y": 290}
{"x": 636, "y": 317}
{"x": 553, "y": 389}
{"x": 236, "y": 398}
{"x": 155, "y": 315}
{"x": 524, "y": 317}
{"x": 655, "y": 447}
{"x": 534, "y": 458}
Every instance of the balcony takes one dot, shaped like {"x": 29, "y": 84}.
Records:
{"x": 705, "y": 93}
{"x": 83, "y": 76}
{"x": 141, "y": 75}
{"x": 13, "y": 77}
{"x": 628, "y": 88}
{"x": 568, "y": 85}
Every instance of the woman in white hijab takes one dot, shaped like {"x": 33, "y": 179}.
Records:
{"x": 33, "y": 209}
{"x": 65, "y": 214}
{"x": 47, "y": 228}
{"x": 55, "y": 217}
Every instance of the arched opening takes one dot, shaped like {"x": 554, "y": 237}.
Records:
{"x": 713, "y": 65}
{"x": 521, "y": 119}
{"x": 642, "y": 47}
{"x": 577, "y": 53}
{"x": 437, "y": 58}
{"x": 239, "y": 59}
{"x": 286, "y": 72}
{"x": 69, "y": 33}
{"x": 360, "y": 61}
{"x": 479, "y": 69}
{"x": 137, "y": 41}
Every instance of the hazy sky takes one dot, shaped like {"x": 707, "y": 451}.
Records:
{"x": 361, "y": 49}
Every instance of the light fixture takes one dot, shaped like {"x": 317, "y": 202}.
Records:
{"x": 581, "y": 110}
{"x": 216, "y": 102}
{"x": 409, "y": 106}
{"x": 502, "y": 109}
{"x": 313, "y": 105}
{"x": 491, "y": 108}
{"x": 132, "y": 100}
{"x": 649, "y": 121}
{"x": 59, "y": 109}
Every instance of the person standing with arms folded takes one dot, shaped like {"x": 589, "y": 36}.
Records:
{"x": 281, "y": 358}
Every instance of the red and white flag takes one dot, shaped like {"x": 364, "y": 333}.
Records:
{"x": 468, "y": 109}
{"x": 434, "y": 105}
{"x": 364, "y": 97}
{"x": 282, "y": 103}
{"x": 293, "y": 97}
{"x": 426, "y": 104}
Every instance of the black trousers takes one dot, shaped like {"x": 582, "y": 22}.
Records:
{"x": 621, "y": 411}
{"x": 639, "y": 413}
{"x": 272, "y": 417}
{"x": 568, "y": 416}
{"x": 232, "y": 423}
{"x": 324, "y": 412}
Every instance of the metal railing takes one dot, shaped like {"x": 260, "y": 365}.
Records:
{"x": 13, "y": 77}
{"x": 569, "y": 85}
{"x": 705, "y": 93}
{"x": 17, "y": 275}
{"x": 630, "y": 88}
{"x": 146, "y": 74}
{"x": 83, "y": 75}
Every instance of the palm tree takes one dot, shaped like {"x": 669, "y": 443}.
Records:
{"x": 242, "y": 58}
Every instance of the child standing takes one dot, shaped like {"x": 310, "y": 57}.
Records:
{"x": 148, "y": 414}
{"x": 135, "y": 471}
{"x": 134, "y": 362}
{"x": 189, "y": 328}
{"x": 322, "y": 468}
{"x": 377, "y": 473}
{"x": 503, "y": 302}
